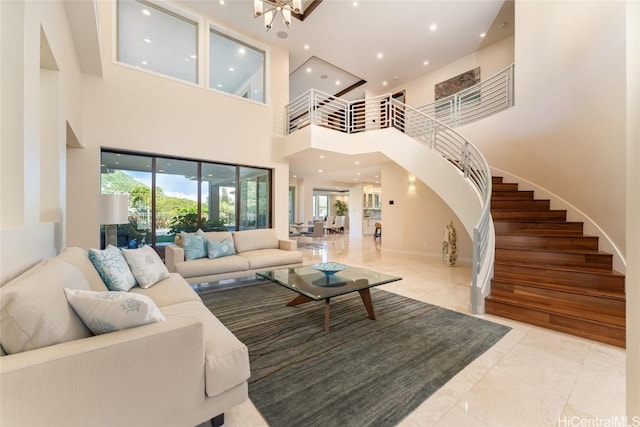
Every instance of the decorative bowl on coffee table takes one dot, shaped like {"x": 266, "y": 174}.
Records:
{"x": 329, "y": 268}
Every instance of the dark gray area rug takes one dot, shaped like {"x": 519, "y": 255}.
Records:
{"x": 363, "y": 372}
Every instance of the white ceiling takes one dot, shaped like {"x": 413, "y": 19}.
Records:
{"x": 343, "y": 44}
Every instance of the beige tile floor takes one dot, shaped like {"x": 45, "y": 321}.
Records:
{"x": 532, "y": 377}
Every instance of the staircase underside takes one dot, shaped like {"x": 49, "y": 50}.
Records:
{"x": 548, "y": 273}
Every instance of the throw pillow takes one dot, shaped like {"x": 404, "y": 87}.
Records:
{"x": 217, "y": 249}
{"x": 146, "y": 266}
{"x": 194, "y": 246}
{"x": 113, "y": 268}
{"x": 220, "y": 249}
{"x": 104, "y": 312}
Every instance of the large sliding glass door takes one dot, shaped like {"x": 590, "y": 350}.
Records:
{"x": 169, "y": 195}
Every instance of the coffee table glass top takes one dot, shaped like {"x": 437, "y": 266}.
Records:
{"x": 318, "y": 286}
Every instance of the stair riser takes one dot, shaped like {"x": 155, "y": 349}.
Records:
{"x": 511, "y": 195}
{"x": 545, "y": 227}
{"x": 504, "y": 187}
{"x": 576, "y": 279}
{"x": 496, "y": 179}
{"x": 577, "y": 260}
{"x": 577, "y": 243}
{"x": 591, "y": 307}
{"x": 539, "y": 205}
{"x": 509, "y": 215}
{"x": 607, "y": 334}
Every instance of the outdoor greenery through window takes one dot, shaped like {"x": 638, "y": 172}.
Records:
{"x": 170, "y": 195}
{"x": 235, "y": 67}
{"x": 157, "y": 39}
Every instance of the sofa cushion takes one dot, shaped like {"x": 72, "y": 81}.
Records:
{"x": 265, "y": 258}
{"x": 79, "y": 258}
{"x": 146, "y": 266}
{"x": 113, "y": 268}
{"x": 226, "y": 358}
{"x": 206, "y": 266}
{"x": 172, "y": 290}
{"x": 195, "y": 247}
{"x": 34, "y": 312}
{"x": 104, "y": 312}
{"x": 249, "y": 240}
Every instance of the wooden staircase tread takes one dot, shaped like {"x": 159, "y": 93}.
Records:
{"x": 568, "y": 312}
{"x": 604, "y": 293}
{"x": 595, "y": 271}
{"x": 559, "y": 251}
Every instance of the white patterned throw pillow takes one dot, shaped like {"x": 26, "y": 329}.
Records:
{"x": 104, "y": 312}
{"x": 113, "y": 268}
{"x": 146, "y": 266}
{"x": 220, "y": 249}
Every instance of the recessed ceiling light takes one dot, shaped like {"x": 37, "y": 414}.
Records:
{"x": 295, "y": 176}
{"x": 483, "y": 35}
{"x": 433, "y": 27}
{"x": 219, "y": 84}
{"x": 357, "y": 162}
{"x": 384, "y": 83}
{"x": 146, "y": 12}
{"x": 380, "y": 55}
{"x": 147, "y": 41}
{"x": 322, "y": 156}
{"x": 221, "y": 1}
{"x": 144, "y": 62}
{"x": 231, "y": 69}
{"x": 358, "y": 173}
{"x": 355, "y": 3}
{"x": 320, "y": 170}
{"x": 242, "y": 51}
{"x": 193, "y": 56}
{"x": 306, "y": 47}
{"x": 425, "y": 63}
{"x": 355, "y": 179}
{"x": 337, "y": 82}
{"x": 395, "y": 77}
{"x": 309, "y": 70}
{"x": 376, "y": 176}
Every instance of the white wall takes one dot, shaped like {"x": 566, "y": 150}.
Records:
{"x": 566, "y": 132}
{"x": 32, "y": 223}
{"x": 130, "y": 109}
{"x": 633, "y": 210}
{"x": 490, "y": 59}
{"x": 416, "y": 221}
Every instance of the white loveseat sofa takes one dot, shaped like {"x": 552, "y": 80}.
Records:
{"x": 255, "y": 250}
{"x": 181, "y": 371}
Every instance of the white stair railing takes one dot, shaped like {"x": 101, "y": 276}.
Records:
{"x": 434, "y": 130}
{"x": 488, "y": 97}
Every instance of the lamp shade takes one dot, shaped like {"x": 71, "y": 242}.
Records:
{"x": 114, "y": 208}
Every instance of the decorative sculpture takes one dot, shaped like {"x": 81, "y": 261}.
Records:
{"x": 449, "y": 245}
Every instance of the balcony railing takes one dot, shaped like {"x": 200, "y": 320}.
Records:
{"x": 431, "y": 125}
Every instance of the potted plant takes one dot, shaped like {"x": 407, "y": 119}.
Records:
{"x": 341, "y": 208}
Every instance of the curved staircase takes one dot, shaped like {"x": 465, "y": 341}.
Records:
{"x": 548, "y": 273}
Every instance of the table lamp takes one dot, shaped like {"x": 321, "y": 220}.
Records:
{"x": 114, "y": 210}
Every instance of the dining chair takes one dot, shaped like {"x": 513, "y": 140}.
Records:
{"x": 377, "y": 234}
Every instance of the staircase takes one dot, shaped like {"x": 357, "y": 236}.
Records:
{"x": 548, "y": 273}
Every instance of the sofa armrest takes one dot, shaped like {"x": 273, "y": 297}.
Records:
{"x": 173, "y": 254}
{"x": 136, "y": 376}
{"x": 288, "y": 245}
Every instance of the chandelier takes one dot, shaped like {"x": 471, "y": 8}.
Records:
{"x": 270, "y": 8}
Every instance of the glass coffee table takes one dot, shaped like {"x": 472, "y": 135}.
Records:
{"x": 312, "y": 284}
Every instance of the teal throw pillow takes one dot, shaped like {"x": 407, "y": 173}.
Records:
{"x": 220, "y": 249}
{"x": 195, "y": 247}
{"x": 113, "y": 268}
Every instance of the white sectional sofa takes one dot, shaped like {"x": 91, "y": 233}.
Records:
{"x": 180, "y": 371}
{"x": 255, "y": 250}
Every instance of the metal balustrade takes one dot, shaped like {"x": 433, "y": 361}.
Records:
{"x": 431, "y": 125}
